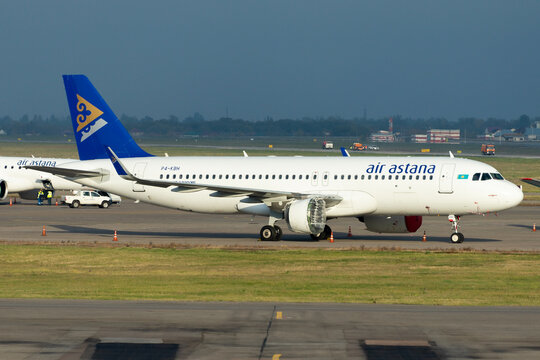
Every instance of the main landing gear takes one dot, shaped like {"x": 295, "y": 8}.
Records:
{"x": 456, "y": 237}
{"x": 322, "y": 236}
{"x": 271, "y": 233}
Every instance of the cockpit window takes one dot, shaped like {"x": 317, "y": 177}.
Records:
{"x": 476, "y": 177}
{"x": 486, "y": 176}
{"x": 497, "y": 176}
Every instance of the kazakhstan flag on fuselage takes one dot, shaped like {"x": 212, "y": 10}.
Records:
{"x": 463, "y": 176}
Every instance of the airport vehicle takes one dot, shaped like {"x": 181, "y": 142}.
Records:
{"x": 115, "y": 199}
{"x": 327, "y": 145}
{"x": 86, "y": 197}
{"x": 358, "y": 147}
{"x": 15, "y": 178}
{"x": 488, "y": 149}
{"x": 373, "y": 147}
{"x": 388, "y": 194}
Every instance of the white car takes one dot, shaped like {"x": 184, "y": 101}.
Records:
{"x": 87, "y": 197}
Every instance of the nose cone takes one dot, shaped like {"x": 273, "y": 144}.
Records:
{"x": 511, "y": 196}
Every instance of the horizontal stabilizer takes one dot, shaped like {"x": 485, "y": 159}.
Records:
{"x": 531, "y": 181}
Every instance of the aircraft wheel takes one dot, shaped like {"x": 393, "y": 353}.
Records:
{"x": 324, "y": 235}
{"x": 268, "y": 233}
{"x": 279, "y": 232}
{"x": 457, "y": 238}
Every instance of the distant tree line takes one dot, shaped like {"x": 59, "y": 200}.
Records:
{"x": 324, "y": 126}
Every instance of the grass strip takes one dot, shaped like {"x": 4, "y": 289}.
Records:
{"x": 396, "y": 277}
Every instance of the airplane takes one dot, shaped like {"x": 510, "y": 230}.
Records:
{"x": 15, "y": 178}
{"x": 387, "y": 194}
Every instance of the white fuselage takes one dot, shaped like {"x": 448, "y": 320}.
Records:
{"x": 368, "y": 185}
{"x": 20, "y": 179}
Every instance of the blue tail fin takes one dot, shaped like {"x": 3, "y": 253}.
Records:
{"x": 94, "y": 123}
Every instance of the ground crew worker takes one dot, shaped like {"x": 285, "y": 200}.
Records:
{"x": 39, "y": 196}
{"x": 49, "y": 196}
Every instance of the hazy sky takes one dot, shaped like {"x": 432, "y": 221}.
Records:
{"x": 275, "y": 58}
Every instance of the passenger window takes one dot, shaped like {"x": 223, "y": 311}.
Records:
{"x": 382, "y": 177}
{"x": 280, "y": 176}
{"x": 293, "y": 177}
{"x": 349, "y": 177}
{"x": 240, "y": 177}
{"x": 299, "y": 177}
{"x": 167, "y": 176}
{"x": 389, "y": 177}
{"x": 161, "y": 176}
{"x": 369, "y": 177}
{"x": 335, "y": 177}
{"x": 174, "y": 176}
{"x": 307, "y": 177}
{"x": 403, "y": 177}
{"x": 486, "y": 176}
{"x": 417, "y": 177}
{"x": 273, "y": 177}
{"x": 214, "y": 177}
{"x": 287, "y": 177}
{"x": 476, "y": 177}
{"x": 376, "y": 177}
{"x": 363, "y": 177}
{"x": 266, "y": 176}
{"x": 355, "y": 177}
{"x": 430, "y": 177}
{"x": 410, "y": 177}
{"x": 227, "y": 176}
{"x": 260, "y": 177}
{"x": 200, "y": 176}
{"x": 424, "y": 177}
{"x": 220, "y": 176}
{"x": 342, "y": 177}
{"x": 325, "y": 176}
{"x": 207, "y": 176}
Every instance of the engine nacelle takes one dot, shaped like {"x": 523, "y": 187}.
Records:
{"x": 306, "y": 216}
{"x": 3, "y": 189}
{"x": 392, "y": 224}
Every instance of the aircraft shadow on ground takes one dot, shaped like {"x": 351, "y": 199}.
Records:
{"x": 286, "y": 237}
{"x": 173, "y": 234}
{"x": 522, "y": 226}
{"x": 409, "y": 239}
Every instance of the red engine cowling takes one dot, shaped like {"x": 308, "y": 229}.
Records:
{"x": 392, "y": 224}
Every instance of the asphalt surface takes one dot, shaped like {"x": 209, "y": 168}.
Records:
{"x": 99, "y": 330}
{"x": 145, "y": 224}
{"x": 69, "y": 330}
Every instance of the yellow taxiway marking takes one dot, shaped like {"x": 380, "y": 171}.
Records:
{"x": 276, "y": 356}
{"x": 279, "y": 315}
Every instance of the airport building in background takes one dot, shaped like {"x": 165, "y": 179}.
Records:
{"x": 437, "y": 136}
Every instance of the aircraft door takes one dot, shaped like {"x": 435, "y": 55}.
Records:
{"x": 446, "y": 179}
{"x": 138, "y": 171}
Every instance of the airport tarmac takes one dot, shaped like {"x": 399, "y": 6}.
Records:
{"x": 99, "y": 330}
{"x": 144, "y": 224}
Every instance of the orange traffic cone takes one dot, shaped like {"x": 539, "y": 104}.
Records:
{"x": 331, "y": 236}
{"x": 115, "y": 237}
{"x": 350, "y": 232}
{"x": 56, "y": 204}
{"x": 424, "y": 239}
{"x": 10, "y": 202}
{"x": 44, "y": 231}
{"x": 534, "y": 227}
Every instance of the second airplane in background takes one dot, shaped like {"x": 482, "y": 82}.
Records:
{"x": 388, "y": 194}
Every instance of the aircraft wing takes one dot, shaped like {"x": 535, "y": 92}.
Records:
{"x": 221, "y": 190}
{"x": 65, "y": 172}
{"x": 531, "y": 181}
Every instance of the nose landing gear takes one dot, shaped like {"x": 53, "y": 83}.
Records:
{"x": 456, "y": 237}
